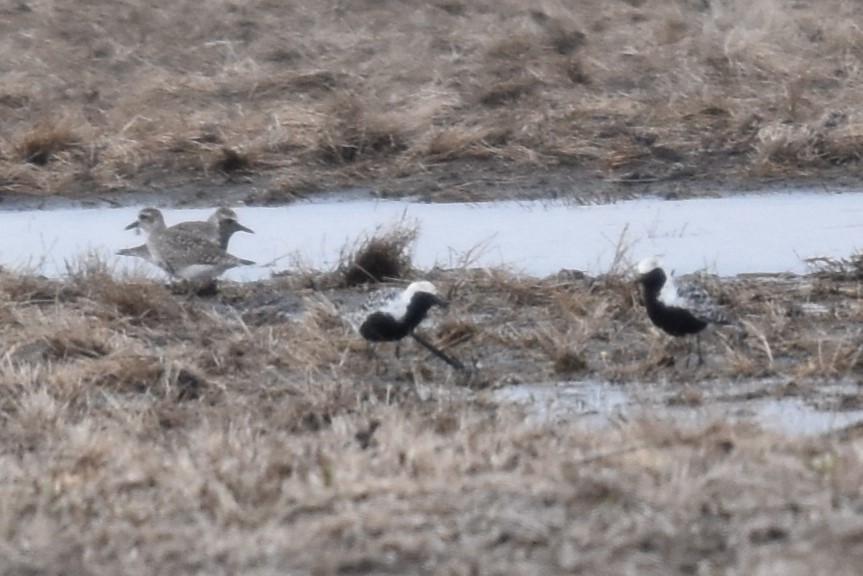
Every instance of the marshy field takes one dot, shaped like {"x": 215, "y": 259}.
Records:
{"x": 146, "y": 429}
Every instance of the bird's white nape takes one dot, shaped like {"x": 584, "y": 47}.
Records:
{"x": 398, "y": 306}
{"x": 418, "y": 286}
{"x": 648, "y": 264}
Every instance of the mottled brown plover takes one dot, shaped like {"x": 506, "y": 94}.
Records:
{"x": 219, "y": 228}
{"x": 678, "y": 311}
{"x": 390, "y": 315}
{"x": 183, "y": 253}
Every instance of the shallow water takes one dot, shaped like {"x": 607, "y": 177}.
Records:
{"x": 754, "y": 233}
{"x": 599, "y": 404}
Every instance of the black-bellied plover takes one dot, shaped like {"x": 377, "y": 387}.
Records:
{"x": 223, "y": 223}
{"x": 219, "y": 228}
{"x": 181, "y": 253}
{"x": 391, "y": 315}
{"x": 678, "y": 311}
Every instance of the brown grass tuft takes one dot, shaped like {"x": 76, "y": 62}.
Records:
{"x": 230, "y": 160}
{"x": 569, "y": 362}
{"x": 463, "y": 142}
{"x": 507, "y": 92}
{"x": 44, "y": 143}
{"x": 130, "y": 374}
{"x": 848, "y": 268}
{"x": 353, "y": 132}
{"x": 139, "y": 302}
{"x": 386, "y": 255}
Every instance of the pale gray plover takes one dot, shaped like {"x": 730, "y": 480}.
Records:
{"x": 183, "y": 253}
{"x": 677, "y": 310}
{"x": 391, "y": 315}
{"x": 219, "y": 228}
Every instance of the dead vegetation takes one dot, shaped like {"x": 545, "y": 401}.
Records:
{"x": 251, "y": 432}
{"x": 214, "y": 437}
{"x": 848, "y": 268}
{"x": 505, "y": 96}
{"x": 46, "y": 143}
{"x": 263, "y": 437}
{"x": 383, "y": 256}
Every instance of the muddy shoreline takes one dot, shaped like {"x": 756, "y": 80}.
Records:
{"x": 460, "y": 182}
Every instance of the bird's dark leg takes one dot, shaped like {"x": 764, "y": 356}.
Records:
{"x": 698, "y": 343}
{"x": 439, "y": 353}
{"x": 375, "y": 358}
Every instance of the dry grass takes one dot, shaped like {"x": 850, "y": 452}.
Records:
{"x": 847, "y": 268}
{"x": 180, "y": 435}
{"x": 147, "y": 432}
{"x": 46, "y": 143}
{"x": 385, "y": 255}
{"x": 143, "y": 431}
{"x": 111, "y": 96}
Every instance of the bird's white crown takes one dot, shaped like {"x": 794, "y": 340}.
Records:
{"x": 223, "y": 213}
{"x": 419, "y": 286}
{"x": 648, "y": 264}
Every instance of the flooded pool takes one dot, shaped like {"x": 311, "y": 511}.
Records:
{"x": 598, "y": 404}
{"x": 754, "y": 233}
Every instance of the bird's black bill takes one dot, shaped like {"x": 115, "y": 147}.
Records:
{"x": 439, "y": 353}
{"x": 132, "y": 225}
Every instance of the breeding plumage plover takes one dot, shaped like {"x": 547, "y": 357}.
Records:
{"x": 391, "y": 315}
{"x": 679, "y": 311}
{"x": 181, "y": 253}
{"x": 219, "y": 228}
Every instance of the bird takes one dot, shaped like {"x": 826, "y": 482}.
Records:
{"x": 180, "y": 252}
{"x": 219, "y": 228}
{"x": 391, "y": 315}
{"x": 222, "y": 224}
{"x": 679, "y": 311}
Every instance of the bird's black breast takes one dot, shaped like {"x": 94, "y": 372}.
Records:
{"x": 675, "y": 321}
{"x": 381, "y": 327}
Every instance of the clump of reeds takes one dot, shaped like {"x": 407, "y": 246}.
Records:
{"x": 568, "y": 361}
{"x": 847, "y": 268}
{"x": 43, "y": 143}
{"x": 352, "y": 132}
{"x": 92, "y": 277}
{"x": 385, "y": 255}
{"x": 232, "y": 160}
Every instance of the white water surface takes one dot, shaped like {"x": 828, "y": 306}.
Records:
{"x": 601, "y": 404}
{"x": 728, "y": 236}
